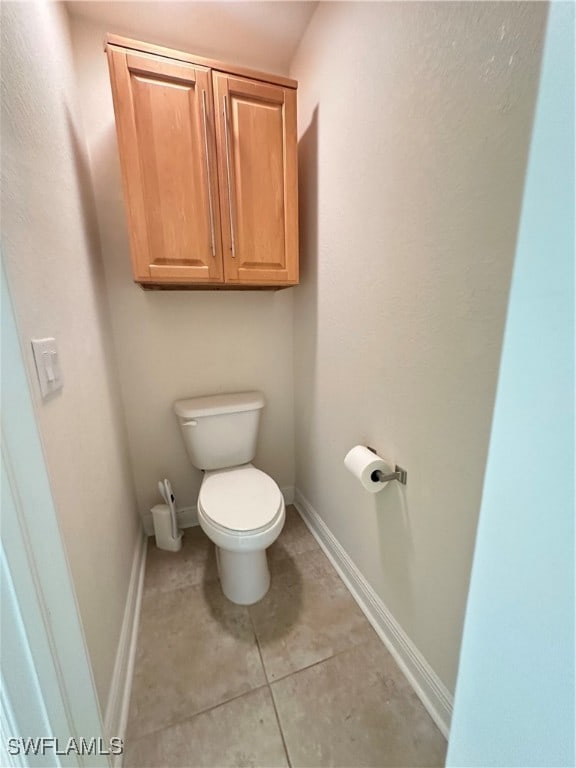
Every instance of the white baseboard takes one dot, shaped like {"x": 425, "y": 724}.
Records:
{"x": 288, "y": 492}
{"x": 116, "y": 716}
{"x": 187, "y": 518}
{"x": 430, "y": 689}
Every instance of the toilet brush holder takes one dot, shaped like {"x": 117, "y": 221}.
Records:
{"x": 162, "y": 519}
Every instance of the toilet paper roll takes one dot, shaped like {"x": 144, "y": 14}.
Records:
{"x": 362, "y": 462}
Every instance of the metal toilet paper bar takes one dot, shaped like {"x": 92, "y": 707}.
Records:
{"x": 399, "y": 474}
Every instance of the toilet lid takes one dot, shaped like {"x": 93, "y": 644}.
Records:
{"x": 241, "y": 498}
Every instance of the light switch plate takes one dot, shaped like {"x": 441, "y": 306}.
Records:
{"x": 47, "y": 365}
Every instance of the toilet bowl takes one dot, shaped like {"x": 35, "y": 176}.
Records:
{"x": 240, "y": 508}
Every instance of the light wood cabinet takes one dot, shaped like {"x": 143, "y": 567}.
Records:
{"x": 209, "y": 164}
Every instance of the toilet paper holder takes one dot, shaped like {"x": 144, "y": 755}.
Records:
{"x": 399, "y": 474}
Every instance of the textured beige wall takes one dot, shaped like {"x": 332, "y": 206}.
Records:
{"x": 50, "y": 246}
{"x": 414, "y": 122}
{"x": 176, "y": 344}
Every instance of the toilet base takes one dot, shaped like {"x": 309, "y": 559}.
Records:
{"x": 244, "y": 576}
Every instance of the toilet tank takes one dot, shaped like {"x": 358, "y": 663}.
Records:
{"x": 220, "y": 430}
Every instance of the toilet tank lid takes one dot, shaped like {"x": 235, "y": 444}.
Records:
{"x": 214, "y": 405}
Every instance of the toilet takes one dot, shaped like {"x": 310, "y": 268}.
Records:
{"x": 240, "y": 508}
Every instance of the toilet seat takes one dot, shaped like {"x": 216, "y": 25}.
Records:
{"x": 243, "y": 500}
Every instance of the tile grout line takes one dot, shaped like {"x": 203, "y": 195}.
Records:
{"x": 284, "y": 744}
{"x": 201, "y": 712}
{"x": 321, "y": 661}
{"x": 280, "y": 726}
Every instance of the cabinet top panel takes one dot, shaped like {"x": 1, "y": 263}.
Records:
{"x": 138, "y": 45}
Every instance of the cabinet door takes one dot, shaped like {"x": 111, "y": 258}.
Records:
{"x": 257, "y": 163}
{"x": 165, "y": 125}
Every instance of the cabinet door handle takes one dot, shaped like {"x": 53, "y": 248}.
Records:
{"x": 209, "y": 175}
{"x": 228, "y": 175}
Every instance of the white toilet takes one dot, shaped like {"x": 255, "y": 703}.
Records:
{"x": 240, "y": 508}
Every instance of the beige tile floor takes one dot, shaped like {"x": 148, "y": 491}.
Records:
{"x": 300, "y": 679}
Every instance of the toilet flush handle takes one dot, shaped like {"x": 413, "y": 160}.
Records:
{"x": 190, "y": 423}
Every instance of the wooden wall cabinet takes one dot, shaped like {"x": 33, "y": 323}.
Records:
{"x": 209, "y": 165}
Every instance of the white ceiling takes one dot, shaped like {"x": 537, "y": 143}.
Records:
{"x": 262, "y": 35}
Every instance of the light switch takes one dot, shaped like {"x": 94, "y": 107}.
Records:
{"x": 47, "y": 365}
